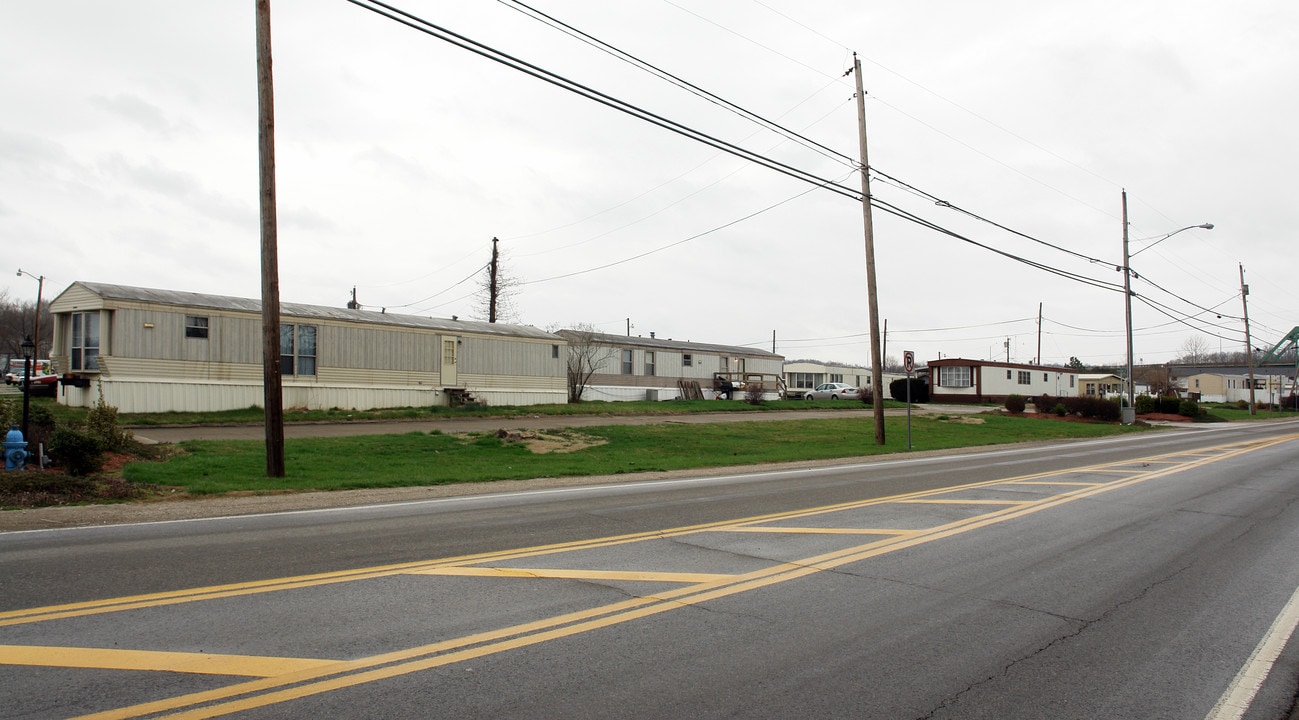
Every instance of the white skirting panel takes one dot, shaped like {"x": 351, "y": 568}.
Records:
{"x": 151, "y": 396}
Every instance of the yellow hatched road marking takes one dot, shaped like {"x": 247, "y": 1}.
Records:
{"x": 115, "y": 659}
{"x": 815, "y": 530}
{"x": 957, "y": 501}
{"x": 326, "y": 676}
{"x": 671, "y": 577}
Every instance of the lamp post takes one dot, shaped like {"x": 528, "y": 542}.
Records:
{"x": 27, "y": 381}
{"x": 40, "y": 287}
{"x": 1129, "y": 413}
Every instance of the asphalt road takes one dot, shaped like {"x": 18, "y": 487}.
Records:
{"x": 1131, "y": 577}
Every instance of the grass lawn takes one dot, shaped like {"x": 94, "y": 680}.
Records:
{"x": 205, "y": 467}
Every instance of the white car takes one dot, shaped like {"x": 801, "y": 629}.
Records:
{"x": 831, "y": 391}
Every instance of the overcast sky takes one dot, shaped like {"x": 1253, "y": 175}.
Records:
{"x": 128, "y": 155}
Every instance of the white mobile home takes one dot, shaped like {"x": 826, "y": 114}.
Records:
{"x": 985, "y": 381}
{"x": 162, "y": 350}
{"x": 638, "y": 368}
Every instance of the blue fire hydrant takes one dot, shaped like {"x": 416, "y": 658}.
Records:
{"x": 15, "y": 449}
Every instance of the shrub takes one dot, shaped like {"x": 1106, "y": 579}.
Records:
{"x": 101, "y": 423}
{"x": 919, "y": 390}
{"x": 1168, "y": 404}
{"x": 1060, "y": 409}
{"x": 1107, "y": 410}
{"x": 1015, "y": 403}
{"x": 753, "y": 393}
{"x": 1144, "y": 404}
{"x": 866, "y": 396}
{"x": 1188, "y": 408}
{"x": 78, "y": 452}
{"x": 1242, "y": 404}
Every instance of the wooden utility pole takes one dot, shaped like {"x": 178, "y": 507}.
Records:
{"x": 1249, "y": 348}
{"x": 493, "y": 288}
{"x": 273, "y": 390}
{"x": 877, "y": 370}
{"x": 1039, "y": 333}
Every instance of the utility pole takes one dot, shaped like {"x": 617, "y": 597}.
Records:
{"x": 773, "y": 342}
{"x": 877, "y": 372}
{"x": 493, "y": 289}
{"x": 273, "y": 390}
{"x": 1249, "y": 348}
{"x": 1128, "y": 415}
{"x": 1039, "y": 333}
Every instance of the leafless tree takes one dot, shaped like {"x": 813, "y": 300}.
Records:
{"x": 18, "y": 320}
{"x": 586, "y": 356}
{"x": 1194, "y": 349}
{"x": 497, "y": 290}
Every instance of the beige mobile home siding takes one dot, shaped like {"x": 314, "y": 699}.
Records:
{"x": 363, "y": 359}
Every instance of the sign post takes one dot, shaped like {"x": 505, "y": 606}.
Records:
{"x": 908, "y": 364}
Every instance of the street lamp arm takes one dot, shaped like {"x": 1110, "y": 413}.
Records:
{"x": 1202, "y": 226}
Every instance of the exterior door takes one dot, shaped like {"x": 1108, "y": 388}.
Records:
{"x": 449, "y": 345}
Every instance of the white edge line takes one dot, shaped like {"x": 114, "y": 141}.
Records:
{"x": 1240, "y": 693}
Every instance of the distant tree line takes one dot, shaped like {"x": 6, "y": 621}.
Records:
{"x": 18, "y": 320}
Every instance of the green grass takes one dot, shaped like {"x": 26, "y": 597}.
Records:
{"x": 1229, "y": 411}
{"x": 414, "y": 459}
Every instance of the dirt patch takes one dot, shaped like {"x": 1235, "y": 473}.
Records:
{"x": 962, "y": 420}
{"x": 544, "y": 442}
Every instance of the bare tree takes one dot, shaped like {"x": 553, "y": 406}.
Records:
{"x": 18, "y": 320}
{"x": 497, "y": 289}
{"x": 1194, "y": 349}
{"x": 586, "y": 356}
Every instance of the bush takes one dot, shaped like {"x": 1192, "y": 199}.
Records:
{"x": 1169, "y": 404}
{"x": 1144, "y": 404}
{"x": 101, "y": 423}
{"x": 1107, "y": 410}
{"x": 1015, "y": 403}
{"x": 1188, "y": 408}
{"x": 1060, "y": 409}
{"x": 77, "y": 452}
{"x": 919, "y": 390}
{"x": 753, "y": 393}
{"x": 866, "y": 396}
{"x": 1242, "y": 404}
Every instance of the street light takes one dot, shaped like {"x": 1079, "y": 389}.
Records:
{"x": 27, "y": 382}
{"x": 1129, "y": 413}
{"x": 40, "y": 286}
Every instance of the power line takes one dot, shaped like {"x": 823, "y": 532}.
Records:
{"x": 416, "y": 23}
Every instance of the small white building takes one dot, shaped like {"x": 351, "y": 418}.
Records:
{"x": 986, "y": 381}
{"x": 163, "y": 350}
{"x": 807, "y": 374}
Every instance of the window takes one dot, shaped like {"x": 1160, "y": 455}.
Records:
{"x": 554, "y": 351}
{"x": 626, "y": 362}
{"x": 1007, "y": 374}
{"x": 1071, "y": 379}
{"x": 1046, "y": 377}
{"x": 836, "y": 377}
{"x": 649, "y": 362}
{"x": 725, "y": 365}
{"x": 954, "y": 376}
{"x": 1025, "y": 377}
{"x": 802, "y": 381}
{"x": 687, "y": 360}
{"x": 85, "y": 341}
{"x": 196, "y": 327}
{"x": 297, "y": 349}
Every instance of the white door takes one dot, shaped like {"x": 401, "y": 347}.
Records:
{"x": 449, "y": 361}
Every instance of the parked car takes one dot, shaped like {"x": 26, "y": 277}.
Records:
{"x": 831, "y": 391}
{"x": 45, "y": 385}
